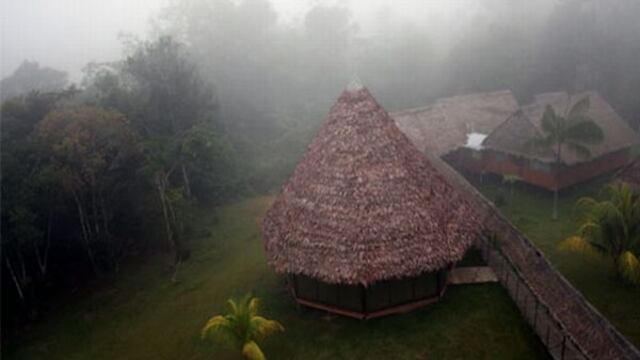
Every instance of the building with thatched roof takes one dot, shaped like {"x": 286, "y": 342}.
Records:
{"x": 444, "y": 126}
{"x": 366, "y": 225}
{"x": 510, "y": 148}
{"x": 631, "y": 175}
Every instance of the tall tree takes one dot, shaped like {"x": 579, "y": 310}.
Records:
{"x": 95, "y": 153}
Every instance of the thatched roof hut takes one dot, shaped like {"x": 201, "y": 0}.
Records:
{"x": 442, "y": 127}
{"x": 510, "y": 148}
{"x": 364, "y": 206}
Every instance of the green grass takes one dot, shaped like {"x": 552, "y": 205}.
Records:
{"x": 142, "y": 315}
{"x": 530, "y": 211}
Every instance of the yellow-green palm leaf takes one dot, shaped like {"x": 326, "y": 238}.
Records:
{"x": 242, "y": 327}
{"x": 251, "y": 351}
{"x": 611, "y": 228}
{"x": 579, "y": 245}
{"x": 629, "y": 267}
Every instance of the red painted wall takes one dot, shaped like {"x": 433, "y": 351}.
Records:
{"x": 562, "y": 176}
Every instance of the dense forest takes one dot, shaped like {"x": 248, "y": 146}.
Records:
{"x": 209, "y": 109}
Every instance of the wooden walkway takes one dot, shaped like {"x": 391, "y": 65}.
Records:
{"x": 584, "y": 333}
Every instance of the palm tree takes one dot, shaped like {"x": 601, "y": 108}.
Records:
{"x": 611, "y": 229}
{"x": 242, "y": 327}
{"x": 574, "y": 130}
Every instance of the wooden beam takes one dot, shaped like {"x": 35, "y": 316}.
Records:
{"x": 400, "y": 309}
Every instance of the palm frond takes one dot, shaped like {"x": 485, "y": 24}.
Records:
{"x": 263, "y": 328}
{"x": 252, "y": 351}
{"x": 584, "y": 131}
{"x": 629, "y": 267}
{"x": 580, "y": 107}
{"x": 549, "y": 121}
{"x": 254, "y": 305}
{"x": 222, "y": 329}
{"x": 214, "y": 324}
{"x": 232, "y": 306}
{"x": 242, "y": 327}
{"x": 580, "y": 245}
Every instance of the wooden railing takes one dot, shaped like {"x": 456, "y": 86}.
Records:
{"x": 568, "y": 325}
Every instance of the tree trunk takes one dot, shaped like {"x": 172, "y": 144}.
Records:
{"x": 43, "y": 259}
{"x": 161, "y": 187}
{"x": 15, "y": 279}
{"x": 187, "y": 184}
{"x": 86, "y": 232}
{"x": 554, "y": 216}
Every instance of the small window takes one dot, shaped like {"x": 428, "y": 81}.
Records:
{"x": 476, "y": 155}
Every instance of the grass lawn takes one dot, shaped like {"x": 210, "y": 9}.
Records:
{"x": 530, "y": 211}
{"x": 144, "y": 316}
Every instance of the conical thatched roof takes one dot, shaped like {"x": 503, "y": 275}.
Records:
{"x": 365, "y": 205}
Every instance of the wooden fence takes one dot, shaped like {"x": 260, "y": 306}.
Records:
{"x": 568, "y": 325}
{"x": 548, "y": 328}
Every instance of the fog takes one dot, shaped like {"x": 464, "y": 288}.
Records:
{"x": 67, "y": 34}
{"x": 276, "y": 66}
{"x": 138, "y": 131}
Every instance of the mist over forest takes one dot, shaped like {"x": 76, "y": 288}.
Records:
{"x": 216, "y": 100}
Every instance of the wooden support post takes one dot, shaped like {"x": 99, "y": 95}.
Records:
{"x": 564, "y": 346}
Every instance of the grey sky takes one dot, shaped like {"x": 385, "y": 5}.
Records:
{"x": 66, "y": 34}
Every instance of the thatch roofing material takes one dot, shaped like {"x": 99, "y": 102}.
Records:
{"x": 364, "y": 205}
{"x": 618, "y": 134}
{"x": 443, "y": 126}
{"x": 514, "y": 136}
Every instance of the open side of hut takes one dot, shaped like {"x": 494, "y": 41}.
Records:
{"x": 366, "y": 226}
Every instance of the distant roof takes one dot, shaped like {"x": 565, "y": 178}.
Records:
{"x": 631, "y": 174}
{"x": 474, "y": 141}
{"x": 365, "y": 205}
{"x": 618, "y": 134}
{"x": 514, "y": 136}
{"x": 443, "y": 126}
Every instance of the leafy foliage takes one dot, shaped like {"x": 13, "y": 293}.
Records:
{"x": 611, "y": 229}
{"x": 242, "y": 327}
{"x": 88, "y": 174}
